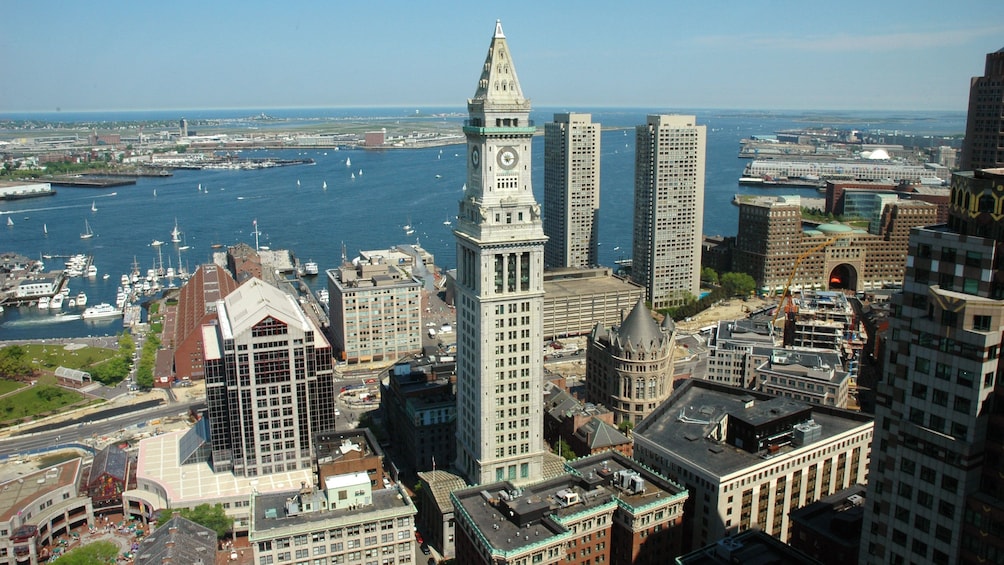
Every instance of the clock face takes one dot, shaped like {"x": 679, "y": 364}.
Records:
{"x": 475, "y": 157}
{"x": 507, "y": 158}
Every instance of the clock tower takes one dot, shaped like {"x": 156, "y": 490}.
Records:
{"x": 499, "y": 285}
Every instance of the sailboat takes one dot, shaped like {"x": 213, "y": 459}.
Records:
{"x": 360, "y": 172}
{"x": 200, "y": 187}
{"x": 324, "y": 185}
{"x": 447, "y": 221}
{"x": 88, "y": 234}
{"x": 176, "y": 233}
{"x": 353, "y": 176}
{"x": 155, "y": 192}
{"x": 10, "y": 221}
{"x": 297, "y": 183}
{"x": 348, "y": 162}
{"x": 45, "y": 229}
{"x": 94, "y": 208}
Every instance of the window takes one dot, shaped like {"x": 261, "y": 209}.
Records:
{"x": 981, "y": 323}
{"x": 922, "y": 365}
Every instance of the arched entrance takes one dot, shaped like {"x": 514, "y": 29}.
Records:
{"x": 842, "y": 277}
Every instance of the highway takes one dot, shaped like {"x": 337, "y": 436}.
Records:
{"x": 82, "y": 430}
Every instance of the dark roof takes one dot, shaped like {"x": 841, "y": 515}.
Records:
{"x": 180, "y": 540}
{"x": 640, "y": 327}
{"x": 602, "y": 434}
{"x": 112, "y": 461}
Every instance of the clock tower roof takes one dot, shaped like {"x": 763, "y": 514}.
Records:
{"x": 498, "y": 83}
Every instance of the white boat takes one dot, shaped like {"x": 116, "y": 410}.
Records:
{"x": 200, "y": 187}
{"x": 88, "y": 234}
{"x": 156, "y": 243}
{"x": 348, "y": 162}
{"x": 353, "y": 178}
{"x": 56, "y": 302}
{"x": 103, "y": 310}
{"x": 71, "y": 302}
{"x": 94, "y": 207}
{"x": 105, "y": 276}
{"x": 297, "y": 183}
{"x": 447, "y": 221}
{"x": 360, "y": 172}
{"x": 43, "y": 301}
{"x": 155, "y": 192}
{"x": 45, "y": 229}
{"x": 81, "y": 299}
{"x": 409, "y": 232}
{"x": 310, "y": 268}
{"x": 92, "y": 271}
{"x": 324, "y": 185}
{"x": 175, "y": 233}
{"x": 10, "y": 221}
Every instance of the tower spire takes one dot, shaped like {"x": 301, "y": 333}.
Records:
{"x": 498, "y": 82}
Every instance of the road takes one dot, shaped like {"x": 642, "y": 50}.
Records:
{"x": 81, "y": 430}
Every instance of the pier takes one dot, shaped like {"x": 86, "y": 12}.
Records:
{"x": 91, "y": 182}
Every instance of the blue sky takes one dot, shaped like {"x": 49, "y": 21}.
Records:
{"x": 129, "y": 55}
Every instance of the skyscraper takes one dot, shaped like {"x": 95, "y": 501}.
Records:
{"x": 983, "y": 147}
{"x": 668, "y": 208}
{"x": 269, "y": 382}
{"x": 937, "y": 425}
{"x": 499, "y": 285}
{"x": 571, "y": 191}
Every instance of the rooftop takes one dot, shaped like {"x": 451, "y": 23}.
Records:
{"x": 188, "y": 485}
{"x": 18, "y": 493}
{"x": 512, "y": 520}
{"x": 684, "y": 424}
{"x": 270, "y": 510}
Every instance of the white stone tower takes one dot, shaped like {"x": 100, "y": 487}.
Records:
{"x": 499, "y": 288}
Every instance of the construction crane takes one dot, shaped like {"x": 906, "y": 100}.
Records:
{"x": 798, "y": 261}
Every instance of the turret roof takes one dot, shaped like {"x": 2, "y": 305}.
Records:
{"x": 640, "y": 328}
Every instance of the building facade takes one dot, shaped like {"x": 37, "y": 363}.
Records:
{"x": 269, "y": 382}
{"x": 571, "y": 191}
{"x": 935, "y": 399}
{"x": 605, "y": 509}
{"x": 499, "y": 291}
{"x": 37, "y": 508}
{"x": 197, "y": 306}
{"x": 668, "y": 208}
{"x": 375, "y": 310}
{"x": 629, "y": 368}
{"x": 773, "y": 239}
{"x": 983, "y": 147}
{"x": 575, "y": 300}
{"x": 748, "y": 459}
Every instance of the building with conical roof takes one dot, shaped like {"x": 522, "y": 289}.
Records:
{"x": 629, "y": 368}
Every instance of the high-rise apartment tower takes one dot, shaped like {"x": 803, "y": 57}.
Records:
{"x": 668, "y": 208}
{"x": 571, "y": 191}
{"x": 499, "y": 285}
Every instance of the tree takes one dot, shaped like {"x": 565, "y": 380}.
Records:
{"x": 625, "y": 426}
{"x": 565, "y": 450}
{"x": 15, "y": 363}
{"x": 738, "y": 284}
{"x": 212, "y": 517}
{"x": 709, "y": 275}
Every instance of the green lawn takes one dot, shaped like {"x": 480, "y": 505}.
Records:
{"x": 48, "y": 356}
{"x": 39, "y": 400}
{"x": 9, "y": 386}
{"x": 91, "y": 554}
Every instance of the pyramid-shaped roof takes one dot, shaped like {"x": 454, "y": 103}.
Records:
{"x": 498, "y": 82}
{"x": 640, "y": 328}
{"x": 255, "y": 300}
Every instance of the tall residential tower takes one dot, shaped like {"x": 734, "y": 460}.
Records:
{"x": 499, "y": 285}
{"x": 571, "y": 191}
{"x": 668, "y": 208}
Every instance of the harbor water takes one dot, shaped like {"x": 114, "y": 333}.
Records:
{"x": 315, "y": 210}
